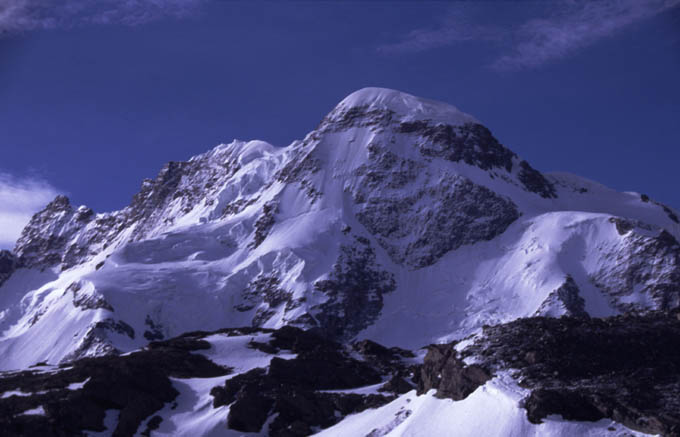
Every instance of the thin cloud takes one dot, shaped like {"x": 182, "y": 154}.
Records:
{"x": 557, "y": 30}
{"x": 19, "y": 200}
{"x": 581, "y": 25}
{"x": 456, "y": 28}
{"x": 25, "y": 15}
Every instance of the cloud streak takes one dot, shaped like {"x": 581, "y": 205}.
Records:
{"x": 19, "y": 200}
{"x": 583, "y": 24}
{"x": 456, "y": 28}
{"x": 18, "y": 16}
{"x": 563, "y": 29}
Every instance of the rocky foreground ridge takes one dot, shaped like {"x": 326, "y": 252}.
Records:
{"x": 624, "y": 368}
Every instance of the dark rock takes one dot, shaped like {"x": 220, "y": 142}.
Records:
{"x": 625, "y": 368}
{"x": 291, "y": 389}
{"x": 647, "y": 262}
{"x": 436, "y": 219}
{"x": 566, "y": 298}
{"x": 265, "y": 288}
{"x": 155, "y": 331}
{"x": 355, "y": 290}
{"x": 670, "y": 213}
{"x": 471, "y": 143}
{"x": 623, "y": 226}
{"x": 153, "y": 424}
{"x": 137, "y": 384}
{"x": 535, "y": 182}
{"x": 356, "y": 116}
{"x": 388, "y": 360}
{"x": 35, "y": 247}
{"x": 397, "y": 385}
{"x": 8, "y": 264}
{"x": 444, "y": 371}
{"x": 572, "y": 404}
{"x": 85, "y": 301}
{"x": 264, "y": 223}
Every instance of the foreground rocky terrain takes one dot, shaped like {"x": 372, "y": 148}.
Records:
{"x": 292, "y": 382}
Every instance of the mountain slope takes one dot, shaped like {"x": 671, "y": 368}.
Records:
{"x": 397, "y": 219}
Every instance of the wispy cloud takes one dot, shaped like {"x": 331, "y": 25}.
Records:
{"x": 24, "y": 15}
{"x": 455, "y": 28}
{"x": 19, "y": 200}
{"x": 558, "y": 30}
{"x": 578, "y": 26}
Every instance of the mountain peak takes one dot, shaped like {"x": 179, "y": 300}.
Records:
{"x": 407, "y": 106}
{"x": 60, "y": 202}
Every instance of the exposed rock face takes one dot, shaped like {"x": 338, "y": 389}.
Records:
{"x": 264, "y": 223}
{"x": 292, "y": 389}
{"x": 628, "y": 267}
{"x": 564, "y": 300}
{"x": 137, "y": 385}
{"x": 46, "y": 239}
{"x": 355, "y": 290}
{"x": 444, "y": 371}
{"x": 179, "y": 187}
{"x": 534, "y": 181}
{"x": 301, "y": 169}
{"x": 624, "y": 368}
{"x": 468, "y": 142}
{"x": 62, "y": 235}
{"x": 418, "y": 228}
{"x": 96, "y": 341}
{"x": 8, "y": 264}
{"x": 87, "y": 299}
{"x": 362, "y": 116}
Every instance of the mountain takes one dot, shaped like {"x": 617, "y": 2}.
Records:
{"x": 397, "y": 220}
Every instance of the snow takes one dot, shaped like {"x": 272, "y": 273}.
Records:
{"x": 192, "y": 412}
{"x": 38, "y": 411}
{"x": 368, "y": 390}
{"x": 491, "y": 411}
{"x": 77, "y": 385}
{"x": 496, "y": 281}
{"x": 407, "y": 106}
{"x": 234, "y": 352}
{"x": 73, "y": 386}
{"x": 15, "y": 393}
{"x": 110, "y": 423}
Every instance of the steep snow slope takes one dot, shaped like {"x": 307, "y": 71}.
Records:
{"x": 493, "y": 410}
{"x": 397, "y": 219}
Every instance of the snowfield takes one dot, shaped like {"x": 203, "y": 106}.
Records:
{"x": 493, "y": 410}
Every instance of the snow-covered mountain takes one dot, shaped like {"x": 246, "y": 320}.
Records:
{"x": 398, "y": 219}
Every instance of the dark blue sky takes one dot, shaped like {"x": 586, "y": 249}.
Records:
{"x": 92, "y": 109}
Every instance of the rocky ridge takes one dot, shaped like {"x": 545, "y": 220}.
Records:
{"x": 623, "y": 368}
